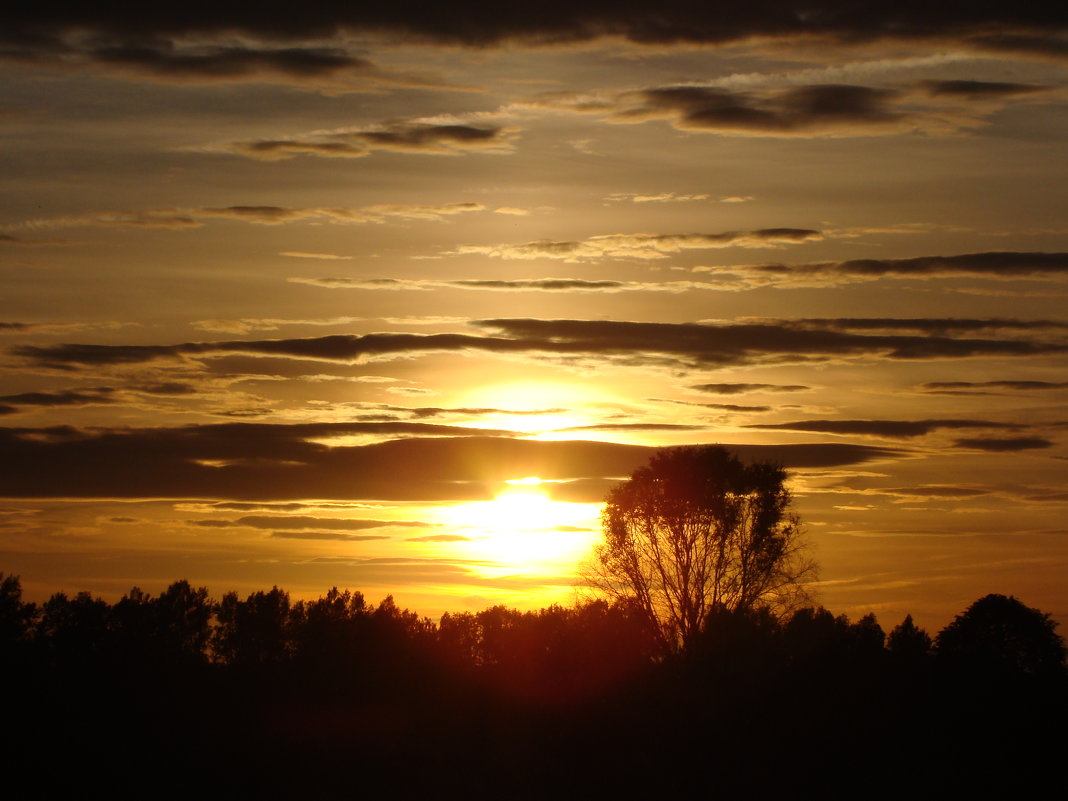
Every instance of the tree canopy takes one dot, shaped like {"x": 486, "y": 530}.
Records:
{"x": 697, "y": 530}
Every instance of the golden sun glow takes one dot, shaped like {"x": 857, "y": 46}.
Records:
{"x": 522, "y": 527}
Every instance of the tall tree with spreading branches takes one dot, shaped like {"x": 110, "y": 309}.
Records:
{"x": 698, "y": 530}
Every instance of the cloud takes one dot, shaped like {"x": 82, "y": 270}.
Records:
{"x": 976, "y": 90}
{"x": 255, "y": 462}
{"x": 327, "y": 535}
{"x": 929, "y": 491}
{"x": 297, "y": 254}
{"x": 989, "y": 387}
{"x": 662, "y": 197}
{"x": 246, "y": 325}
{"x": 172, "y": 62}
{"x": 641, "y": 246}
{"x": 637, "y": 344}
{"x": 1042, "y": 44}
{"x": 793, "y": 110}
{"x": 299, "y": 522}
{"x": 636, "y": 427}
{"x": 796, "y": 111}
{"x": 402, "y": 137}
{"x": 702, "y": 344}
{"x": 883, "y": 428}
{"x": 424, "y": 412}
{"x": 1004, "y": 445}
{"x": 926, "y": 325}
{"x": 722, "y": 407}
{"x": 96, "y": 395}
{"x": 502, "y": 285}
{"x": 997, "y": 265}
{"x": 440, "y": 538}
{"x": 9, "y": 239}
{"x": 32, "y": 31}
{"x": 740, "y": 389}
{"x": 258, "y": 215}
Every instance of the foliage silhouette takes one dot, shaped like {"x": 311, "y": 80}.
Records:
{"x": 16, "y": 618}
{"x": 698, "y": 530}
{"x": 909, "y": 644}
{"x": 255, "y": 631}
{"x": 334, "y": 695}
{"x": 1000, "y": 635}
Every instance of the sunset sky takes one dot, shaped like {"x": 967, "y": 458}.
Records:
{"x": 388, "y": 299}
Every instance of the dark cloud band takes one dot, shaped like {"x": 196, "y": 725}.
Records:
{"x": 247, "y": 462}
{"x": 690, "y": 344}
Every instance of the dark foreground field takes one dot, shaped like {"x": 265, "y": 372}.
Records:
{"x": 178, "y": 696}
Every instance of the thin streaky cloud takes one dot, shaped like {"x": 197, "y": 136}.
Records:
{"x": 259, "y": 215}
{"x": 989, "y": 387}
{"x": 998, "y": 265}
{"x": 742, "y": 388}
{"x": 640, "y": 246}
{"x": 1004, "y": 445}
{"x": 506, "y": 285}
{"x": 296, "y": 254}
{"x": 885, "y": 428}
{"x": 636, "y": 344}
{"x": 418, "y": 138}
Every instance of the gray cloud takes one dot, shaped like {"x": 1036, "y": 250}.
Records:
{"x": 797, "y": 111}
{"x": 424, "y": 412}
{"x": 636, "y": 427}
{"x": 884, "y": 428}
{"x": 989, "y": 387}
{"x": 34, "y": 31}
{"x": 641, "y": 246}
{"x": 722, "y": 407}
{"x": 926, "y": 325}
{"x": 327, "y": 535}
{"x": 248, "y": 462}
{"x": 975, "y": 90}
{"x": 529, "y": 251}
{"x": 403, "y": 137}
{"x": 312, "y": 522}
{"x": 165, "y": 60}
{"x": 258, "y": 215}
{"x": 497, "y": 285}
{"x": 690, "y": 344}
{"x": 741, "y": 388}
{"x": 1004, "y": 445}
{"x": 96, "y": 395}
{"x": 1000, "y": 265}
{"x": 819, "y": 109}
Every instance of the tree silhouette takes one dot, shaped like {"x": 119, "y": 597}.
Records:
{"x": 697, "y": 530}
{"x": 1000, "y": 635}
{"x": 908, "y": 643}
{"x": 254, "y": 631}
{"x": 16, "y": 617}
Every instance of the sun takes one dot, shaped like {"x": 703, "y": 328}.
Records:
{"x": 524, "y": 528}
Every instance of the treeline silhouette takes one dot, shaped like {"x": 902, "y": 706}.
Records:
{"x": 263, "y": 697}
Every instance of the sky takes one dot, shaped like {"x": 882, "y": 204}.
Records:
{"x": 389, "y": 298}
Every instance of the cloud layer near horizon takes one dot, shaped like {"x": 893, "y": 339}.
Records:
{"x": 242, "y": 461}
